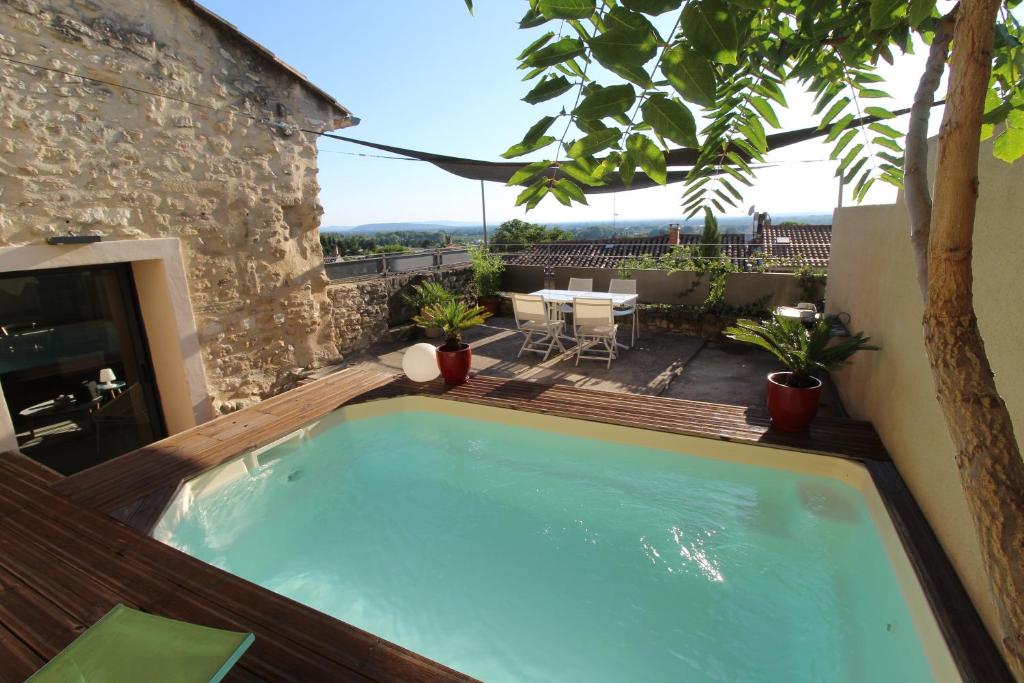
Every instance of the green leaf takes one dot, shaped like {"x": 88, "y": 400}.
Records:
{"x": 469, "y": 6}
{"x": 575, "y": 170}
{"x": 628, "y": 38}
{"x": 834, "y": 111}
{"x": 566, "y": 9}
{"x": 919, "y": 11}
{"x": 537, "y": 130}
{"x": 533, "y": 140}
{"x": 528, "y": 172}
{"x": 627, "y": 168}
{"x": 594, "y": 143}
{"x": 652, "y": 7}
{"x": 753, "y": 130}
{"x": 610, "y": 101}
{"x": 588, "y": 126}
{"x": 882, "y": 128}
{"x": 670, "y": 119}
{"x": 549, "y": 87}
{"x": 1009, "y": 146}
{"x": 561, "y": 195}
{"x": 571, "y": 189}
{"x": 649, "y": 156}
{"x": 710, "y": 26}
{"x": 536, "y": 45}
{"x": 632, "y": 73}
{"x": 532, "y": 19}
{"x": 847, "y": 137}
{"x": 887, "y": 143}
{"x": 691, "y": 75}
{"x": 878, "y": 112}
{"x": 555, "y": 53}
{"x": 520, "y": 148}
{"x": 764, "y": 108}
{"x": 885, "y": 13}
{"x": 532, "y": 191}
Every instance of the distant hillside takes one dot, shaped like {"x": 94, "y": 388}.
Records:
{"x": 370, "y": 228}
{"x": 591, "y": 228}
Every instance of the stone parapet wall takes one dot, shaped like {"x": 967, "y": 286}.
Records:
{"x": 682, "y": 320}
{"x": 241, "y": 196}
{"x": 365, "y": 310}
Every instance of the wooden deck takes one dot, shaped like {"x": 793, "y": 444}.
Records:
{"x": 63, "y": 566}
{"x": 66, "y": 559}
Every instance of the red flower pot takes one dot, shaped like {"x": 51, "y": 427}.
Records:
{"x": 454, "y": 365}
{"x": 791, "y": 408}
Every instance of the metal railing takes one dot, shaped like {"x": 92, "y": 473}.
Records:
{"x": 379, "y": 265}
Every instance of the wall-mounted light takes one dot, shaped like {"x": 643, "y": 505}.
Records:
{"x": 72, "y": 238}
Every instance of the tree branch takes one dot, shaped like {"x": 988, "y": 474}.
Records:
{"x": 915, "y": 162}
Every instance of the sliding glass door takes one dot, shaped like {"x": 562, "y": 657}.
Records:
{"x": 74, "y": 365}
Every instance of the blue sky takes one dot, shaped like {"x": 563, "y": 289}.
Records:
{"x": 424, "y": 74}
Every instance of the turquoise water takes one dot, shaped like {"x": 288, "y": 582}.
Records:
{"x": 520, "y": 555}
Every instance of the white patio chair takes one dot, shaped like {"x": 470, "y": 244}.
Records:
{"x": 617, "y": 286}
{"x": 578, "y": 284}
{"x": 595, "y": 329}
{"x": 532, "y": 319}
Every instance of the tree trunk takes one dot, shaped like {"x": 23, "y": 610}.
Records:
{"x": 915, "y": 165}
{"x": 987, "y": 454}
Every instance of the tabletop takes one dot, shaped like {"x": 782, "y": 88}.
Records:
{"x": 567, "y": 295}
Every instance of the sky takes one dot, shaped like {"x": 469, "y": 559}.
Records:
{"x": 426, "y": 75}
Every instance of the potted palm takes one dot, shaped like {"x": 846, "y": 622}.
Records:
{"x": 424, "y": 295}
{"x": 454, "y": 356}
{"x": 487, "y": 270}
{"x": 794, "y": 394}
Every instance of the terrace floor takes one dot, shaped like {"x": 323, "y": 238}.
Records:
{"x": 661, "y": 364}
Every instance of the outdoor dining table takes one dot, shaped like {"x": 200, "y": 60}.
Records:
{"x": 556, "y": 297}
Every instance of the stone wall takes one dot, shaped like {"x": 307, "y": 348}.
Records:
{"x": 365, "y": 310}
{"x": 242, "y": 197}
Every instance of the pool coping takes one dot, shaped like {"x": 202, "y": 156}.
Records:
{"x": 137, "y": 487}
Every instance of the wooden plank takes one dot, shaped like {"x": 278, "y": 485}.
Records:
{"x": 17, "y": 660}
{"x": 32, "y": 468}
{"x": 973, "y": 650}
{"x": 117, "y": 483}
{"x": 832, "y": 436}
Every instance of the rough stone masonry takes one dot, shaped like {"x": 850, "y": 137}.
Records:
{"x": 241, "y": 196}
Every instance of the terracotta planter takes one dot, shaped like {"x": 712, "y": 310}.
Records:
{"x": 491, "y": 304}
{"x": 792, "y": 409}
{"x": 454, "y": 365}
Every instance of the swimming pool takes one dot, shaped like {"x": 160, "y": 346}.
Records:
{"x": 522, "y": 547}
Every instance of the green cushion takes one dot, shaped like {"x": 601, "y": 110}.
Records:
{"x": 128, "y": 645}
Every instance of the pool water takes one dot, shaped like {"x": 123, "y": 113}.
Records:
{"x": 514, "y": 554}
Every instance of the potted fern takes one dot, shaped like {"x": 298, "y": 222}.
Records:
{"x": 454, "y": 357}
{"x": 424, "y": 295}
{"x": 794, "y": 394}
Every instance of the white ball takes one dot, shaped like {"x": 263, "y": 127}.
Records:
{"x": 420, "y": 362}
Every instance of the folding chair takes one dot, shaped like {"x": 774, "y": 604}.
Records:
{"x": 594, "y": 324}
{"x": 617, "y": 286}
{"x": 578, "y": 284}
{"x": 532, "y": 319}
